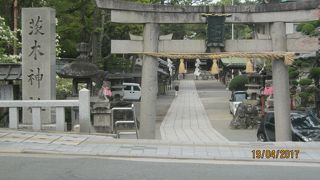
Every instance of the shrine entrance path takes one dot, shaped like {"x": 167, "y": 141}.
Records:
{"x": 187, "y": 120}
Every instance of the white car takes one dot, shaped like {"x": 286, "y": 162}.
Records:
{"x": 236, "y": 98}
{"x": 131, "y": 91}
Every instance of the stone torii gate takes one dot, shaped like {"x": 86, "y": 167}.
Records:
{"x": 271, "y": 17}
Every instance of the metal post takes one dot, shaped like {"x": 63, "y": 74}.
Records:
{"x": 84, "y": 110}
{"x": 280, "y": 83}
{"x": 149, "y": 82}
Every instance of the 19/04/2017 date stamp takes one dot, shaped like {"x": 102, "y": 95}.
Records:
{"x": 275, "y": 154}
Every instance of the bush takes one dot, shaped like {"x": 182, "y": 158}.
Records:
{"x": 308, "y": 28}
{"x": 238, "y": 83}
{"x": 306, "y": 98}
{"x": 305, "y": 82}
{"x": 64, "y": 88}
{"x": 293, "y": 74}
{"x": 7, "y": 38}
{"x": 294, "y": 82}
{"x": 315, "y": 72}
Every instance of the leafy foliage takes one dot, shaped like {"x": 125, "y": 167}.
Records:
{"x": 116, "y": 64}
{"x": 64, "y": 87}
{"x": 294, "y": 82}
{"x": 293, "y": 74}
{"x": 315, "y": 72}
{"x": 309, "y": 28}
{"x": 7, "y": 38}
{"x": 238, "y": 83}
{"x": 305, "y": 82}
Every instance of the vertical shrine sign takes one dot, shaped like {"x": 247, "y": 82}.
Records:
{"x": 38, "y": 59}
{"x": 215, "y": 31}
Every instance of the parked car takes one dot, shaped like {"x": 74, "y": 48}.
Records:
{"x": 132, "y": 91}
{"x": 236, "y": 98}
{"x": 304, "y": 126}
{"x": 312, "y": 111}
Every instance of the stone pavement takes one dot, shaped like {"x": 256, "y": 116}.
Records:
{"x": 187, "y": 120}
{"x": 94, "y": 145}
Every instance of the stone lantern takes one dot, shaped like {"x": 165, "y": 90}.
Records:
{"x": 80, "y": 70}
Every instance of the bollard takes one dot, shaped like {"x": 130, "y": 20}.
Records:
{"x": 84, "y": 111}
{"x": 60, "y": 119}
{"x": 13, "y": 118}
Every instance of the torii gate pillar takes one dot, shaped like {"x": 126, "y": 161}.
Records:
{"x": 280, "y": 83}
{"x": 149, "y": 82}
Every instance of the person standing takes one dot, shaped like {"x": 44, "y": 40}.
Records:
{"x": 176, "y": 88}
{"x": 105, "y": 91}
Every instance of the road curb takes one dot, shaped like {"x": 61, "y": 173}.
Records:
{"x": 150, "y": 157}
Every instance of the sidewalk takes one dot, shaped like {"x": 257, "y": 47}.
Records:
{"x": 93, "y": 145}
{"x": 187, "y": 120}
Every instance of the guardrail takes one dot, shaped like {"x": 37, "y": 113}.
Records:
{"x": 83, "y": 103}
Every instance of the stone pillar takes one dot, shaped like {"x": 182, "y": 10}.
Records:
{"x": 84, "y": 111}
{"x": 38, "y": 59}
{"x": 280, "y": 83}
{"x": 149, "y": 82}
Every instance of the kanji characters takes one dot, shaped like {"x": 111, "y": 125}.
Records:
{"x": 36, "y": 50}
{"x": 36, "y": 26}
{"x": 35, "y": 77}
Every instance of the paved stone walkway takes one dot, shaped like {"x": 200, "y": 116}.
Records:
{"x": 187, "y": 120}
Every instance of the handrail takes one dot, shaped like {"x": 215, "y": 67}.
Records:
{"x": 134, "y": 121}
{"x": 40, "y": 103}
{"x": 83, "y": 103}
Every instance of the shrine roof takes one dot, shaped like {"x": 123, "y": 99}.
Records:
{"x": 10, "y": 72}
{"x": 78, "y": 69}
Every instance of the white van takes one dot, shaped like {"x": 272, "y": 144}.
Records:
{"x": 132, "y": 91}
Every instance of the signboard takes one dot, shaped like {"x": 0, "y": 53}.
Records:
{"x": 38, "y": 58}
{"x": 215, "y": 31}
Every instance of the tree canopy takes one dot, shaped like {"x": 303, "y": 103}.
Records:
{"x": 81, "y": 20}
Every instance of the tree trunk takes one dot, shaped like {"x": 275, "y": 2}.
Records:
{"x": 15, "y": 24}
{"x": 95, "y": 37}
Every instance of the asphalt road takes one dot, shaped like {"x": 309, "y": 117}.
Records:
{"x": 51, "y": 167}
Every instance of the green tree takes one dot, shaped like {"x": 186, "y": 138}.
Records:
{"x": 228, "y": 2}
{"x": 306, "y": 91}
{"x": 238, "y": 83}
{"x": 7, "y": 38}
{"x": 269, "y": 1}
{"x": 309, "y": 28}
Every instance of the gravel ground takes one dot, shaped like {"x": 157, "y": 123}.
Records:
{"x": 215, "y": 99}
